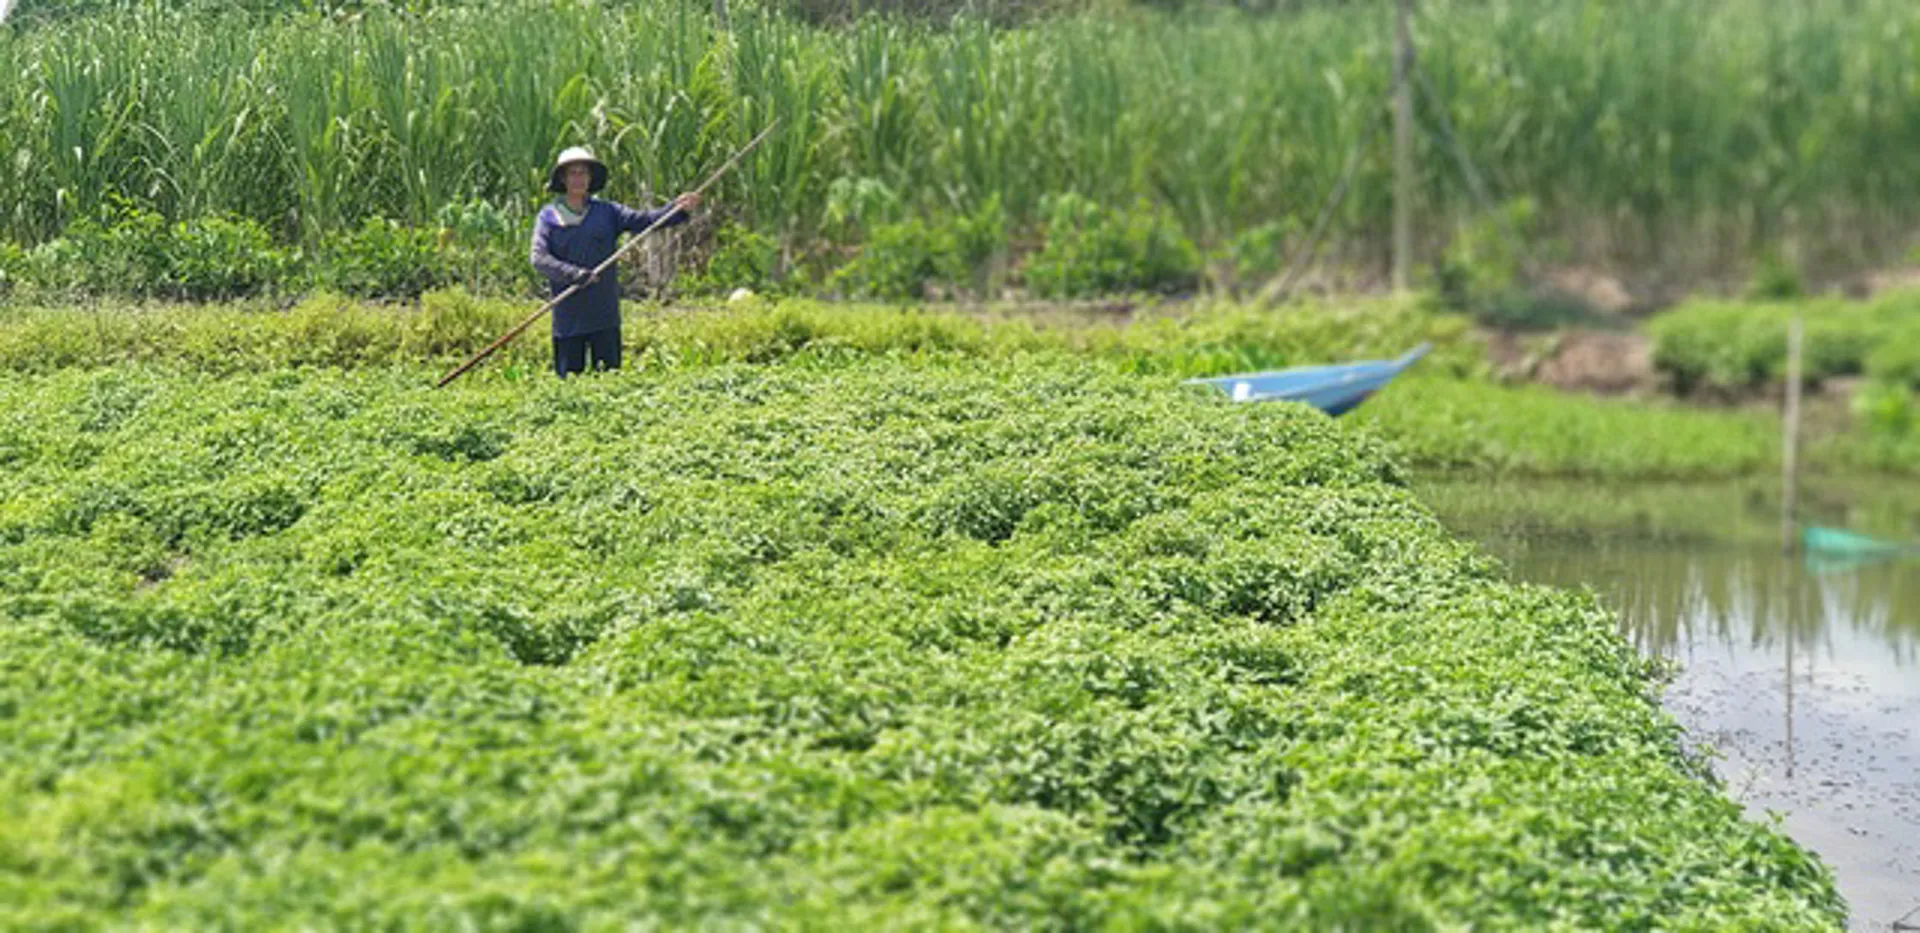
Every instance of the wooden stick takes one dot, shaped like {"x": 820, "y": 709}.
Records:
{"x": 1790, "y": 455}
{"x": 1402, "y": 147}
{"x": 610, "y": 261}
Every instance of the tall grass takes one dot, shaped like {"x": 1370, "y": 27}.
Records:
{"x": 1647, "y": 130}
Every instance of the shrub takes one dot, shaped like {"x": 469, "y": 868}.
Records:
{"x": 223, "y": 257}
{"x": 132, "y": 252}
{"x": 741, "y": 258}
{"x": 1897, "y": 359}
{"x": 1737, "y": 345}
{"x": 1480, "y": 274}
{"x": 123, "y": 251}
{"x": 1254, "y": 255}
{"x": 1089, "y": 249}
{"x": 1775, "y": 278}
{"x": 898, "y": 260}
{"x": 1886, "y": 409}
{"x": 13, "y": 267}
{"x": 856, "y": 204}
{"x": 484, "y": 246}
{"x": 382, "y": 259}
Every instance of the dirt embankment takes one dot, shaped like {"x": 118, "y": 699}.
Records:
{"x": 1603, "y": 362}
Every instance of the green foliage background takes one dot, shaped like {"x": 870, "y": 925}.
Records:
{"x": 1664, "y": 134}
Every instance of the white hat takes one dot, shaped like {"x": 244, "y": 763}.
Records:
{"x": 577, "y": 154}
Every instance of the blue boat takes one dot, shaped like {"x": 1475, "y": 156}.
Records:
{"x": 1332, "y": 389}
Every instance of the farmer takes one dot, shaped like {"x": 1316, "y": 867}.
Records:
{"x": 573, "y": 235}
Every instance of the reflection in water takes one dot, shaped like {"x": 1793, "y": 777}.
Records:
{"x": 1802, "y": 676}
{"x": 1670, "y": 599}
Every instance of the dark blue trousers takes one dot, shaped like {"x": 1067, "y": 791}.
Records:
{"x": 570, "y": 353}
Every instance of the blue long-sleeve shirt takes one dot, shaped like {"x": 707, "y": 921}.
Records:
{"x": 565, "y": 254}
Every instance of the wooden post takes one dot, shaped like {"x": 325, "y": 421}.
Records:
{"x": 1402, "y": 144}
{"x": 720, "y": 15}
{"x": 1789, "y": 639}
{"x": 1790, "y": 455}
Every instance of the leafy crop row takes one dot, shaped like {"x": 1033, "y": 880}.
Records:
{"x": 1441, "y": 415}
{"x": 1743, "y": 345}
{"x": 327, "y": 330}
{"x": 862, "y": 644}
{"x": 1489, "y": 430}
{"x": 131, "y": 252}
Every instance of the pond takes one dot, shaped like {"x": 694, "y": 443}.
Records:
{"x": 1802, "y": 676}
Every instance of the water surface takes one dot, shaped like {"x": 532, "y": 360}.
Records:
{"x": 1802, "y": 676}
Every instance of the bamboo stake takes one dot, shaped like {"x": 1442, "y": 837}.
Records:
{"x": 1790, "y": 456}
{"x": 604, "y": 266}
{"x": 1402, "y": 146}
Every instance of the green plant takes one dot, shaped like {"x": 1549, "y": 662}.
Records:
{"x": 1482, "y": 261}
{"x": 381, "y": 258}
{"x": 132, "y": 252}
{"x": 1887, "y": 410}
{"x": 1888, "y": 417}
{"x": 1735, "y": 345}
{"x": 1896, "y": 358}
{"x": 61, "y": 268}
{"x": 1775, "y": 278}
{"x": 1533, "y": 309}
{"x": 897, "y": 260}
{"x": 1484, "y": 429}
{"x": 222, "y": 257}
{"x": 860, "y": 204}
{"x": 1480, "y": 273}
{"x": 741, "y": 258}
{"x": 1451, "y": 416}
{"x": 483, "y": 244}
{"x": 1253, "y": 256}
{"x": 125, "y": 250}
{"x": 980, "y": 247}
{"x": 13, "y": 266}
{"x": 1089, "y": 249}
{"x": 331, "y": 330}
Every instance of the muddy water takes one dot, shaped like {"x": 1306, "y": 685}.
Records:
{"x": 1802, "y": 676}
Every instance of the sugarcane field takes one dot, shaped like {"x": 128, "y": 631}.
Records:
{"x": 1350, "y": 465}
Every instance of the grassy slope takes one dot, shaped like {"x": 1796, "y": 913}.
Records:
{"x": 864, "y": 643}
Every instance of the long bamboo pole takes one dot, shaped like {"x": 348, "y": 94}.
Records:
{"x": 503, "y": 339}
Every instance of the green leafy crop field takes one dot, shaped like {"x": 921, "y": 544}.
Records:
{"x": 958, "y": 643}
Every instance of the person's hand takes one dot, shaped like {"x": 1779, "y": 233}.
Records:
{"x": 586, "y": 277}
{"x": 687, "y": 202}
